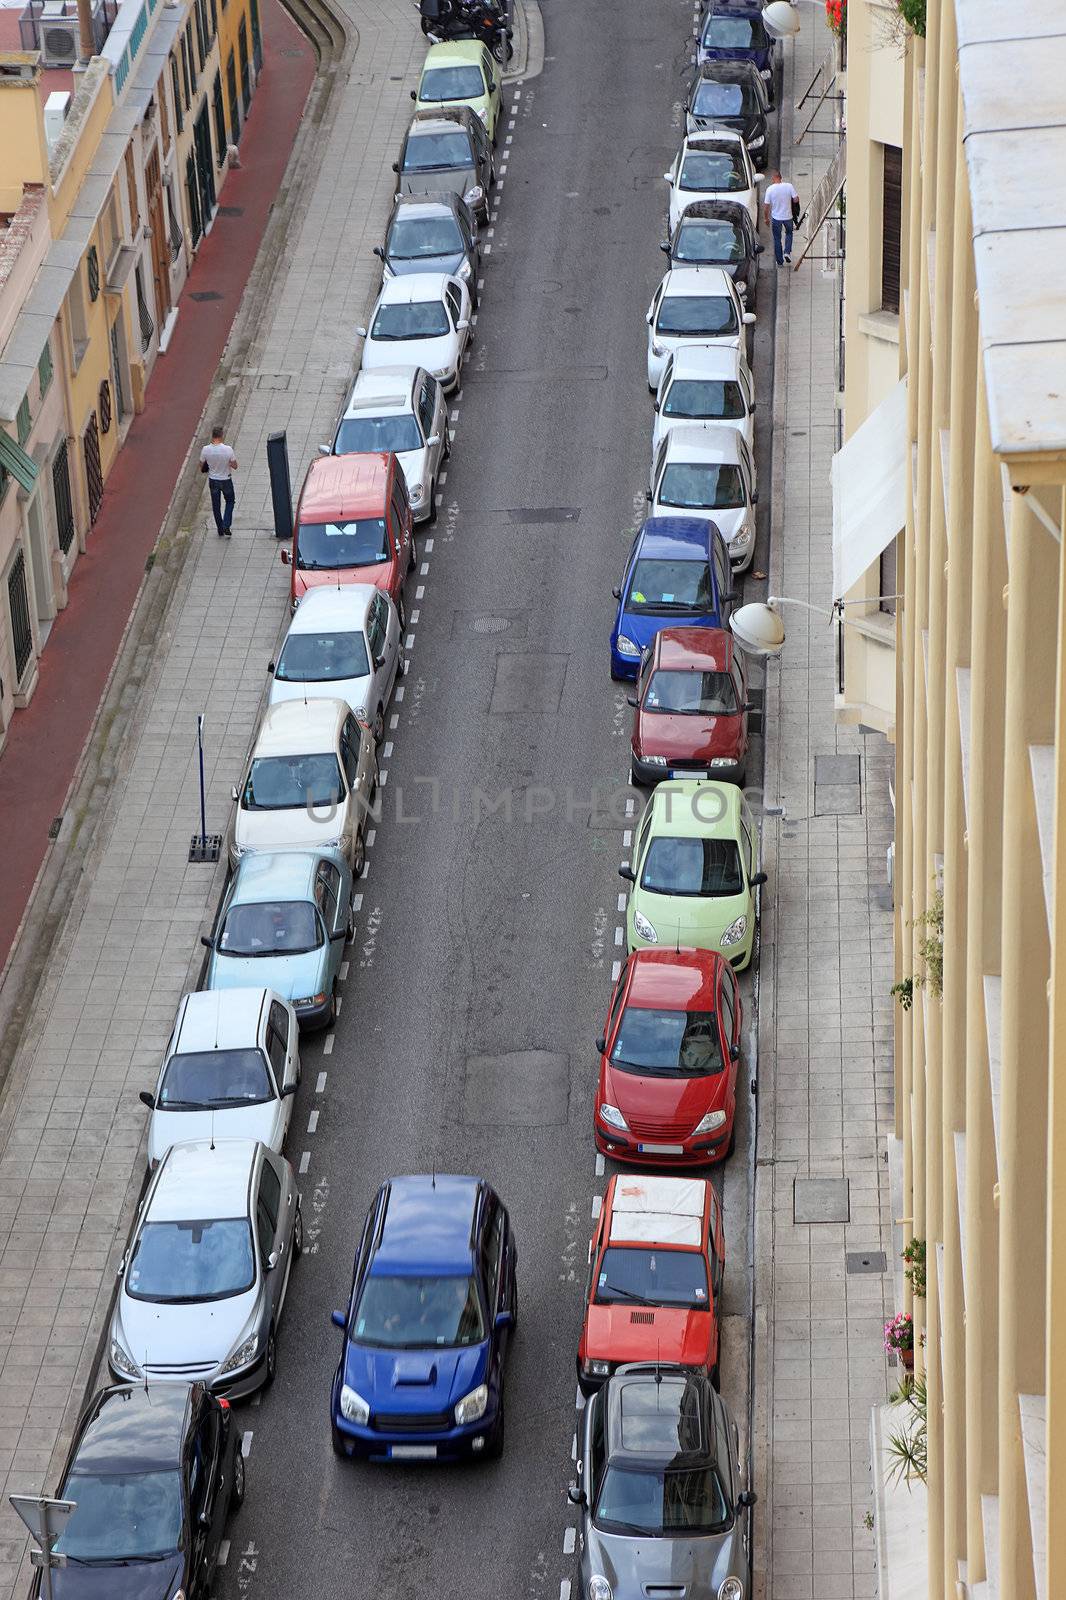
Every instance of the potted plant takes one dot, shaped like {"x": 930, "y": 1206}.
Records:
{"x": 899, "y": 1337}
{"x": 836, "y": 15}
{"x": 908, "y": 1447}
{"x": 914, "y": 1270}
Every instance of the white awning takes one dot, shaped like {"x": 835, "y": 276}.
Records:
{"x": 824, "y": 198}
{"x": 869, "y": 490}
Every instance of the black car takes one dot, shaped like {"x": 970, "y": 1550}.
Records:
{"x": 448, "y": 149}
{"x": 153, "y": 1472}
{"x": 730, "y": 94}
{"x": 432, "y": 233}
{"x": 717, "y": 233}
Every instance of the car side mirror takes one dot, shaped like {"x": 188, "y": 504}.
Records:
{"x": 751, "y": 408}
{"x": 286, "y": 557}
{"x": 338, "y": 1319}
{"x": 601, "y": 1043}
{"x": 734, "y": 1052}
{"x": 325, "y": 450}
{"x": 271, "y": 1261}
{"x": 433, "y": 439}
{"x": 647, "y": 318}
{"x": 759, "y": 878}
{"x": 395, "y": 166}
{"x": 755, "y": 498}
{"x": 626, "y": 871}
{"x": 747, "y": 1497}
{"x": 288, "y": 1089}
{"x": 576, "y": 1495}
{"x": 207, "y": 941}
{"x": 684, "y": 105}
{"x": 360, "y": 331}
{"x": 380, "y": 253}
{"x": 203, "y": 1521}
{"x": 647, "y": 496}
{"x": 655, "y": 406}
{"x": 147, "y": 1098}
{"x": 664, "y": 246}
{"x": 631, "y": 699}
{"x": 271, "y": 666}
{"x": 462, "y": 324}
{"x": 749, "y": 705}
{"x": 504, "y": 1319}
{"x": 749, "y": 318}
{"x": 414, "y": 95}
{"x": 233, "y": 792}
{"x": 617, "y": 593}
{"x": 759, "y": 248}
{"x": 668, "y": 177}
{"x": 338, "y": 937}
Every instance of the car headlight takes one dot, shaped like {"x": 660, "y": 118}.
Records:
{"x": 122, "y": 1362}
{"x": 764, "y": 72}
{"x": 645, "y": 929}
{"x": 599, "y": 1588}
{"x": 723, "y": 761}
{"x": 757, "y": 144}
{"x": 735, "y": 931}
{"x": 239, "y": 850}
{"x": 464, "y": 271}
{"x": 656, "y": 350}
{"x": 471, "y": 1407}
{"x": 654, "y": 761}
{"x": 611, "y": 1115}
{"x": 731, "y": 1589}
{"x": 596, "y": 1369}
{"x": 742, "y": 538}
{"x": 707, "y": 1124}
{"x": 309, "y": 1000}
{"x": 626, "y": 647}
{"x": 361, "y": 713}
{"x": 474, "y": 195}
{"x": 241, "y": 1356}
{"x": 353, "y": 1407}
{"x": 414, "y": 494}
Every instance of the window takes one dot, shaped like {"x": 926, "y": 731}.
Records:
{"x": 275, "y": 1049}
{"x": 64, "y": 504}
{"x": 18, "y": 601}
{"x": 177, "y": 92}
{"x": 92, "y": 272}
{"x": 270, "y": 1191}
{"x": 455, "y": 304}
{"x": 619, "y": 993}
{"x": 191, "y": 57}
{"x": 888, "y": 585}
{"x": 327, "y": 891}
{"x": 279, "y": 1021}
{"x": 186, "y": 91}
{"x": 427, "y": 404}
{"x": 234, "y": 102}
{"x": 891, "y": 221}
{"x": 220, "y": 118}
{"x": 23, "y": 421}
{"x": 164, "y": 117}
{"x": 44, "y": 370}
{"x": 493, "y": 1256}
{"x": 131, "y": 186}
{"x": 350, "y": 751}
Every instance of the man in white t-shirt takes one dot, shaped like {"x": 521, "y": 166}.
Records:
{"x": 777, "y": 202}
{"x": 219, "y": 462}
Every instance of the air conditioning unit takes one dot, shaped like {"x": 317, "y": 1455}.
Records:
{"x": 60, "y": 39}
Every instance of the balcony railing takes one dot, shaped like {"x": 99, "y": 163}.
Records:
{"x": 30, "y": 22}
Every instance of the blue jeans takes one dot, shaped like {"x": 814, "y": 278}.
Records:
{"x": 777, "y": 227}
{"x": 222, "y": 490}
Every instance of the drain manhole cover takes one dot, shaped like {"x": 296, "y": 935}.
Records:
{"x": 231, "y": 211}
{"x": 205, "y": 294}
{"x": 866, "y": 1261}
{"x": 491, "y": 624}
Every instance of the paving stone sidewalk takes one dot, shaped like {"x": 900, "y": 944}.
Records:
{"x": 71, "y": 1127}
{"x": 825, "y": 1046}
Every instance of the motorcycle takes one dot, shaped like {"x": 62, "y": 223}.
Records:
{"x": 467, "y": 19}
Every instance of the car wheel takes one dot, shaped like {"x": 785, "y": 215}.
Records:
{"x": 338, "y": 1448}
{"x": 359, "y": 859}
{"x": 732, "y": 1145}
{"x": 716, "y": 1379}
{"x": 237, "y": 1497}
{"x": 401, "y": 613}
{"x": 298, "y": 1234}
{"x": 412, "y": 555}
{"x": 431, "y": 519}
{"x": 494, "y": 1448}
{"x": 272, "y": 1358}
{"x": 378, "y": 728}
{"x": 616, "y": 677}
{"x": 349, "y": 930}
{"x": 634, "y": 776}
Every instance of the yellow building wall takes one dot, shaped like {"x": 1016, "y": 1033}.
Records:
{"x": 96, "y": 86}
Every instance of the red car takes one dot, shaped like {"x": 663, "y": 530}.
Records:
{"x": 691, "y": 708}
{"x": 656, "y": 1265}
{"x": 353, "y": 525}
{"x": 668, "y": 1060}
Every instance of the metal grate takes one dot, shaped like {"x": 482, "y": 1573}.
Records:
{"x": 19, "y": 604}
{"x": 257, "y": 38}
{"x": 246, "y": 76}
{"x": 105, "y": 407}
{"x": 234, "y": 102}
{"x": 94, "y": 476}
{"x": 192, "y": 192}
{"x": 64, "y": 504}
{"x": 143, "y": 314}
{"x": 92, "y": 268}
{"x": 220, "y": 119}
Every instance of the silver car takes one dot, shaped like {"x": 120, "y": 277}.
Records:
{"x": 661, "y": 1491}
{"x": 203, "y": 1282}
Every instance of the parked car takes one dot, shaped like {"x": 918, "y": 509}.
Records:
{"x": 342, "y": 644}
{"x": 692, "y": 305}
{"x": 713, "y": 166}
{"x": 430, "y": 1317}
{"x": 309, "y": 783}
{"x": 154, "y": 1475}
{"x": 717, "y": 233}
{"x": 230, "y": 1070}
{"x": 733, "y": 30}
{"x": 706, "y": 469}
{"x": 462, "y": 72}
{"x": 399, "y": 411}
{"x": 694, "y": 871}
{"x": 661, "y": 1490}
{"x": 419, "y": 320}
{"x": 730, "y": 94}
{"x": 448, "y": 149}
{"x": 353, "y": 525}
{"x": 705, "y": 383}
{"x": 284, "y": 920}
{"x": 203, "y": 1282}
{"x": 432, "y": 233}
{"x": 667, "y": 1089}
{"x": 656, "y": 1266}
{"x": 678, "y": 571}
{"x": 691, "y": 708}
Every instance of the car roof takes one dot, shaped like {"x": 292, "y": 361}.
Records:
{"x": 278, "y": 875}
{"x": 707, "y": 138}
{"x": 674, "y": 980}
{"x": 133, "y": 1426}
{"x": 442, "y": 200}
{"x": 459, "y": 50}
{"x": 721, "y": 210}
{"x": 442, "y": 116}
{"x": 683, "y": 538}
{"x": 704, "y": 441}
{"x": 730, "y": 72}
{"x": 325, "y": 606}
{"x": 203, "y": 1179}
{"x": 696, "y": 280}
{"x": 427, "y": 1225}
{"x": 412, "y": 288}
{"x": 300, "y": 727}
{"x": 672, "y": 818}
{"x": 707, "y": 360}
{"x": 383, "y": 389}
{"x": 736, "y": 8}
{"x": 647, "y": 1210}
{"x": 338, "y": 488}
{"x": 651, "y": 1416}
{"x": 695, "y": 649}
{"x": 220, "y": 1019}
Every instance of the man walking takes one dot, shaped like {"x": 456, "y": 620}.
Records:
{"x": 781, "y": 208}
{"x": 219, "y": 462}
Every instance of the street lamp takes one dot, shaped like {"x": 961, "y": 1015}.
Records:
{"x": 781, "y": 19}
{"x": 759, "y": 630}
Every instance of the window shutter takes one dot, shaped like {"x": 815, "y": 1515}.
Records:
{"x": 892, "y": 210}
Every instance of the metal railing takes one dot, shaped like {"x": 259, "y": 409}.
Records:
{"x": 104, "y": 14}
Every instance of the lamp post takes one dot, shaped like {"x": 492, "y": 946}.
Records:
{"x": 781, "y": 19}
{"x": 759, "y": 630}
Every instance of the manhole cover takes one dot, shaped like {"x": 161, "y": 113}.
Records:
{"x": 205, "y": 294}
{"x": 54, "y": 827}
{"x": 866, "y": 1261}
{"x": 231, "y": 211}
{"x": 491, "y": 624}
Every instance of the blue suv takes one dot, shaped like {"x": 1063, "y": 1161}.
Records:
{"x": 733, "y": 30}
{"x": 678, "y": 573}
{"x": 433, "y": 1307}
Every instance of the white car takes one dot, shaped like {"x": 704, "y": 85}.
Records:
{"x": 309, "y": 783}
{"x": 708, "y": 471}
{"x": 713, "y": 166}
{"x": 343, "y": 644}
{"x": 705, "y": 383}
{"x": 230, "y": 1071}
{"x": 419, "y": 320}
{"x": 403, "y": 410}
{"x": 692, "y": 305}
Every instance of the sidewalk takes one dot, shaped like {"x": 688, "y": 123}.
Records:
{"x": 71, "y": 1128}
{"x": 825, "y": 1048}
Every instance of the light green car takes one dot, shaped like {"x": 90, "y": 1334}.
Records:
{"x": 462, "y": 73}
{"x": 695, "y": 871}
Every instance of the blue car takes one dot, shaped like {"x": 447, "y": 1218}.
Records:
{"x": 733, "y": 30}
{"x": 678, "y": 573}
{"x": 283, "y": 924}
{"x": 432, "y": 1310}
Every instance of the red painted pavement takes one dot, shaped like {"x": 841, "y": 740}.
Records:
{"x": 46, "y": 738}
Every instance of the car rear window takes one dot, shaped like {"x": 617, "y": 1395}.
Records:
{"x": 285, "y": 783}
{"x": 658, "y": 1277}
{"x": 437, "y": 152}
{"x": 734, "y": 33}
{"x": 703, "y": 867}
{"x": 714, "y": 171}
{"x": 270, "y": 928}
{"x": 668, "y": 1044}
{"x": 704, "y": 316}
{"x": 725, "y": 100}
{"x": 214, "y": 1080}
{"x": 423, "y": 319}
{"x": 679, "y": 692}
{"x": 183, "y": 1263}
{"x": 665, "y": 586}
{"x": 702, "y": 486}
{"x": 710, "y": 399}
{"x": 322, "y": 546}
{"x": 418, "y": 1313}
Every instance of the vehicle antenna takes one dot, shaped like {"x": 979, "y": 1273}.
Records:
{"x": 677, "y": 945}
{"x": 147, "y": 1393}
{"x": 433, "y": 1175}
{"x": 212, "y": 1127}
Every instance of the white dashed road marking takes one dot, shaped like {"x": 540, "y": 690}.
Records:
{"x": 320, "y": 1085}
{"x": 305, "y": 1162}
{"x": 327, "y": 1048}
{"x": 312, "y": 1121}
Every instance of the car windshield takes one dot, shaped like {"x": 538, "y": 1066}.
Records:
{"x": 377, "y": 435}
{"x": 452, "y": 83}
{"x": 659, "y": 1277}
{"x": 412, "y": 1313}
{"x": 713, "y": 171}
{"x": 423, "y": 319}
{"x": 708, "y": 867}
{"x": 182, "y": 1263}
{"x": 682, "y": 693}
{"x": 270, "y": 928}
{"x": 710, "y": 399}
{"x": 681, "y": 586}
{"x": 697, "y": 315}
{"x": 725, "y": 100}
{"x": 702, "y": 486}
{"x": 325, "y": 546}
{"x": 410, "y": 239}
{"x": 215, "y": 1080}
{"x": 647, "y": 1500}
{"x": 121, "y": 1516}
{"x": 284, "y": 783}
{"x": 734, "y": 33}
{"x": 437, "y": 152}
{"x": 322, "y": 658}
{"x": 668, "y": 1044}
{"x": 710, "y": 239}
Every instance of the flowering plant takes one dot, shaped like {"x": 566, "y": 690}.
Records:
{"x": 899, "y": 1332}
{"x": 914, "y": 1256}
{"x": 836, "y": 15}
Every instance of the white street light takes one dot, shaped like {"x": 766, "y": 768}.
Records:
{"x": 759, "y": 630}
{"x": 781, "y": 19}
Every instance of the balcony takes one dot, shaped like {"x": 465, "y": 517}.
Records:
{"x": 51, "y": 26}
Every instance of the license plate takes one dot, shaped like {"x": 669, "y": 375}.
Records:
{"x": 413, "y": 1452}
{"x": 679, "y": 774}
{"x": 661, "y": 1149}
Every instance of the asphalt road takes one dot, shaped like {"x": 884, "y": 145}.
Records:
{"x": 481, "y": 971}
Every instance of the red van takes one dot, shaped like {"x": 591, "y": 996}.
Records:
{"x": 353, "y": 525}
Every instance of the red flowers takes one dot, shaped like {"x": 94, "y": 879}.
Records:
{"x": 836, "y": 15}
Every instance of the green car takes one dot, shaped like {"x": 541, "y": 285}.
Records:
{"x": 694, "y": 871}
{"x": 462, "y": 73}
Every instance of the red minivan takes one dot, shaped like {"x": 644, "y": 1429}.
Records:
{"x": 691, "y": 708}
{"x": 353, "y": 525}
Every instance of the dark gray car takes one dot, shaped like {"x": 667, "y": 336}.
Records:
{"x": 447, "y": 149}
{"x": 659, "y": 1483}
{"x": 432, "y": 233}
